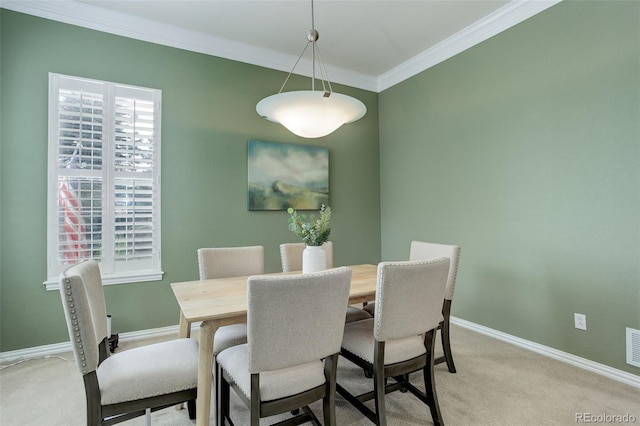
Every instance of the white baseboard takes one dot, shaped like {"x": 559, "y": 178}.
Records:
{"x": 603, "y": 370}
{"x": 585, "y": 364}
{"x": 42, "y": 351}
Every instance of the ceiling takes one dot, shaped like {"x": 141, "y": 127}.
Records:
{"x": 371, "y": 44}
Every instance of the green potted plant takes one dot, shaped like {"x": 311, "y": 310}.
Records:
{"x": 314, "y": 233}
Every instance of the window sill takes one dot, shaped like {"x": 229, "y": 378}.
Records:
{"x": 135, "y": 277}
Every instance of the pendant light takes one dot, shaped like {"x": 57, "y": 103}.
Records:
{"x": 311, "y": 113}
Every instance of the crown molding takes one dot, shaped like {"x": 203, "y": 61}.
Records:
{"x": 502, "y": 19}
{"x": 92, "y": 17}
{"x": 88, "y": 16}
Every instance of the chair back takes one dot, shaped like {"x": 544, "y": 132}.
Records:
{"x": 409, "y": 297}
{"x": 295, "y": 319}
{"x": 85, "y": 312}
{"x": 422, "y": 251}
{"x": 223, "y": 262}
{"x": 291, "y": 255}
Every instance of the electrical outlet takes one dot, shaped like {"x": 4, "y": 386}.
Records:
{"x": 580, "y": 321}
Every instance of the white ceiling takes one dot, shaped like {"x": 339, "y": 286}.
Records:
{"x": 370, "y": 44}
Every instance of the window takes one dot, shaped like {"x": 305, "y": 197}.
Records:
{"x": 104, "y": 179}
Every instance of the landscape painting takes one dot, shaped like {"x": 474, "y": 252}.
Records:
{"x": 285, "y": 175}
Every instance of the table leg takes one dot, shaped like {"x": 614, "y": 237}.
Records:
{"x": 185, "y": 326}
{"x": 205, "y": 371}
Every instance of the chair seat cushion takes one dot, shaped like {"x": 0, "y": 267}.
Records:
{"x": 229, "y": 335}
{"x": 356, "y": 314}
{"x": 273, "y": 384}
{"x": 358, "y": 339}
{"x": 149, "y": 371}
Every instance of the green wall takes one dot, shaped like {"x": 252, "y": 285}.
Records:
{"x": 525, "y": 151}
{"x": 208, "y": 117}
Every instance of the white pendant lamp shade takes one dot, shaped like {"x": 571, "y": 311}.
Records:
{"x": 310, "y": 113}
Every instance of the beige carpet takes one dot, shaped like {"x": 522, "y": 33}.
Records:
{"x": 496, "y": 384}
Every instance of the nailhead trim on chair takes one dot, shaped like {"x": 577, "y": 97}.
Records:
{"x": 74, "y": 320}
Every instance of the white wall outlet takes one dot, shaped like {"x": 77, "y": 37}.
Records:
{"x": 580, "y": 321}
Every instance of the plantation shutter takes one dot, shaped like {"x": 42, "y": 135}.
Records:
{"x": 133, "y": 184}
{"x": 79, "y": 164}
{"x": 105, "y": 151}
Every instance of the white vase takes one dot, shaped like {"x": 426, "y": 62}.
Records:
{"x": 314, "y": 259}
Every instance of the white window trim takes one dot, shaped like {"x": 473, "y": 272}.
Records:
{"x": 134, "y": 276}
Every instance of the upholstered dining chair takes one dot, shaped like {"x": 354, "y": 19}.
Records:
{"x": 408, "y": 306}
{"x": 223, "y": 262}
{"x": 130, "y": 383}
{"x": 291, "y": 259}
{"x": 423, "y": 250}
{"x": 283, "y": 368}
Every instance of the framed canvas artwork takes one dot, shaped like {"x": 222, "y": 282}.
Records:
{"x": 285, "y": 175}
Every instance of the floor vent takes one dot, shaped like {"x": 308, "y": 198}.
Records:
{"x": 633, "y": 347}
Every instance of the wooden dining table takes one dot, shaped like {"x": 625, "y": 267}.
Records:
{"x": 223, "y": 301}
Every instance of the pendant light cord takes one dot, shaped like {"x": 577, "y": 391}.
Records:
{"x": 312, "y": 38}
{"x": 294, "y": 67}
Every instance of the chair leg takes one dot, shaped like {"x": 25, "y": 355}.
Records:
{"x": 329, "y": 400}
{"x": 403, "y": 379}
{"x": 429, "y": 381}
{"x": 92, "y": 394}
{"x": 446, "y": 342}
{"x": 255, "y": 400}
{"x": 222, "y": 397}
{"x": 191, "y": 408}
{"x": 219, "y": 420}
{"x": 379, "y": 382}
